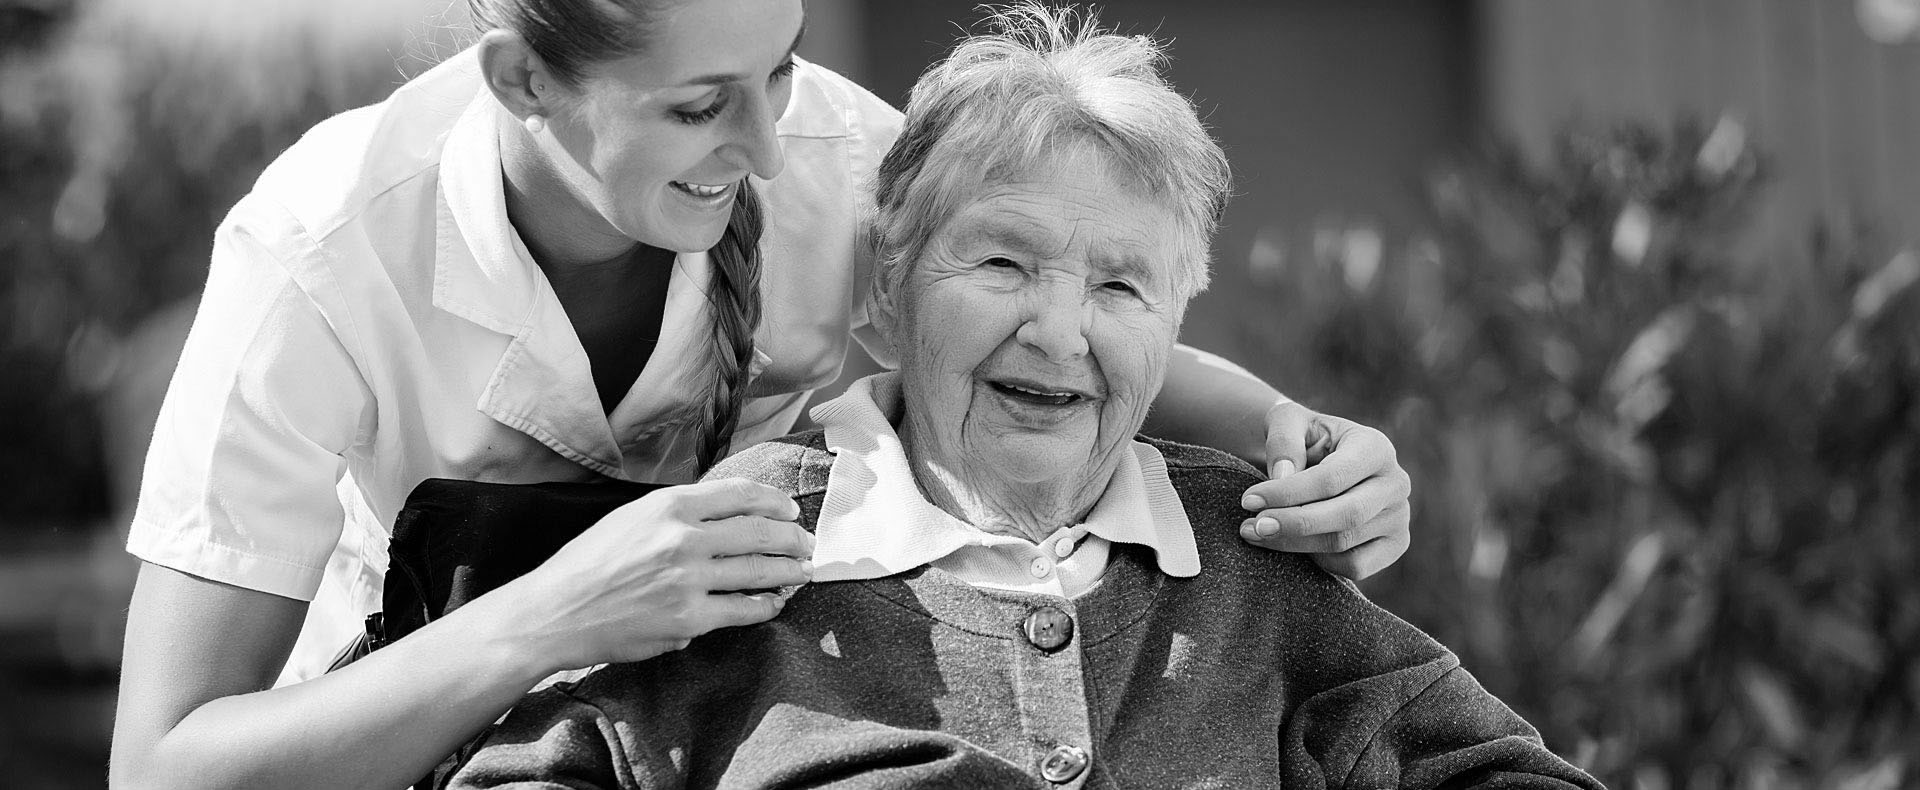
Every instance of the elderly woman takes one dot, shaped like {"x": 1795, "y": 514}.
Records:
{"x": 1011, "y": 589}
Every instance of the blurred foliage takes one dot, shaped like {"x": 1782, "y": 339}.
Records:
{"x": 1665, "y": 497}
{"x": 126, "y": 130}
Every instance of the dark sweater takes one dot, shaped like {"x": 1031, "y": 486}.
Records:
{"x": 1263, "y": 671}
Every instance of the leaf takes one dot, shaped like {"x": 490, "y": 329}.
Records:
{"x": 1887, "y": 774}
{"x": 1773, "y": 705}
{"x": 1846, "y": 640}
{"x": 1880, "y": 288}
{"x": 1629, "y": 581}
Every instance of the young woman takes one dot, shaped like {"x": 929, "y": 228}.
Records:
{"x": 543, "y": 260}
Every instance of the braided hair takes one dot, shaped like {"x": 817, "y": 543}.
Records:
{"x": 733, "y": 292}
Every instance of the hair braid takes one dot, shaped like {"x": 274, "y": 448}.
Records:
{"x": 734, "y": 294}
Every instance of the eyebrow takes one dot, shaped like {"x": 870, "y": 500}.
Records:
{"x": 722, "y": 79}
{"x": 1126, "y": 264}
{"x": 1107, "y": 260}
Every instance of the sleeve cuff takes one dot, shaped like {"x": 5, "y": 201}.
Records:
{"x": 224, "y": 564}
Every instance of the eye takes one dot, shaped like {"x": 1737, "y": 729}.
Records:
{"x": 1000, "y": 262}
{"x": 784, "y": 71}
{"x": 702, "y": 115}
{"x": 1120, "y": 287}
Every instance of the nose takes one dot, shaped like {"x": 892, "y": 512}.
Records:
{"x": 1056, "y": 323}
{"x": 752, "y": 143}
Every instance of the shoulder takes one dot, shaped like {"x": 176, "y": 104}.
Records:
{"x": 1204, "y": 470}
{"x": 331, "y": 175}
{"x": 797, "y": 464}
{"x": 826, "y": 104}
{"x": 1306, "y": 600}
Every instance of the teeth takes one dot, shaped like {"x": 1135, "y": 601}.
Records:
{"x": 701, "y": 190}
{"x": 1059, "y": 398}
{"x": 1038, "y": 392}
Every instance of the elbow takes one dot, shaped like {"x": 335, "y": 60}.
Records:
{"x": 152, "y": 771}
{"x": 127, "y": 772}
{"x": 122, "y": 777}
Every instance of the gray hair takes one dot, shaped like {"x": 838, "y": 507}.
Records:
{"x": 1003, "y": 102}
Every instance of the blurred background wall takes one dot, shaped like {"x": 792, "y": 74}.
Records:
{"x": 1629, "y": 282}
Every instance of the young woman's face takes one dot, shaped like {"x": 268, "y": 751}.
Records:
{"x": 659, "y": 142}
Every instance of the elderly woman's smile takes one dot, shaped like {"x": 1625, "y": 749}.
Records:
{"x": 1034, "y": 331}
{"x": 1024, "y": 392}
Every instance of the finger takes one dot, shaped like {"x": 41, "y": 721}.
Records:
{"x": 756, "y": 535}
{"x": 1366, "y": 559}
{"x": 1287, "y": 426}
{"x": 736, "y": 609}
{"x": 1352, "y": 508}
{"x": 732, "y": 496}
{"x": 1325, "y": 527}
{"x": 757, "y": 572}
{"x": 1361, "y": 455}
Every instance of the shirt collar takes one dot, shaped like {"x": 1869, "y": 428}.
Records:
{"x": 875, "y": 522}
{"x": 482, "y": 270}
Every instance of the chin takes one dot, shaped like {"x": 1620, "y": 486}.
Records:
{"x": 1029, "y": 462}
{"x": 676, "y": 236}
{"x": 684, "y": 242}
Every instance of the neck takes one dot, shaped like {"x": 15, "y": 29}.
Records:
{"x": 561, "y": 230}
{"x": 999, "y": 503}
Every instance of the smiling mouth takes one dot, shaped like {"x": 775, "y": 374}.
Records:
{"x": 1036, "y": 394}
{"x": 702, "y": 191}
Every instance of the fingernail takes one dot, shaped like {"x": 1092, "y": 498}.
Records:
{"x": 806, "y": 567}
{"x": 1284, "y": 468}
{"x": 1253, "y": 502}
{"x": 1266, "y": 527}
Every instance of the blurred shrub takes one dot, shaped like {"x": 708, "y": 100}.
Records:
{"x": 1665, "y": 493}
{"x": 127, "y": 129}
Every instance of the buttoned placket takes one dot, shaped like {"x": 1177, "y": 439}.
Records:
{"x": 1050, "y": 691}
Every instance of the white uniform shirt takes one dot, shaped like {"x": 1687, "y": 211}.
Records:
{"x": 371, "y": 320}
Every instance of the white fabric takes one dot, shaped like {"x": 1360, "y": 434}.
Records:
{"x": 875, "y": 522}
{"x": 371, "y": 319}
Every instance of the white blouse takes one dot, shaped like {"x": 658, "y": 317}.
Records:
{"x": 371, "y": 320}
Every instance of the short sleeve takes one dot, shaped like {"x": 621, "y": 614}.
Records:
{"x": 239, "y": 484}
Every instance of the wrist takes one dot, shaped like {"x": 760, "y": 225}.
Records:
{"x": 501, "y": 630}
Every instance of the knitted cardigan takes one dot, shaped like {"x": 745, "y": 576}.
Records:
{"x": 1263, "y": 671}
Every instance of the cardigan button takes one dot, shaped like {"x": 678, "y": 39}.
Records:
{"x": 1064, "y": 764}
{"x": 1048, "y": 628}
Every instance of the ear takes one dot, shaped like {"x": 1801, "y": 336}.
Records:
{"x": 883, "y": 305}
{"x": 517, "y": 77}
{"x": 883, "y": 310}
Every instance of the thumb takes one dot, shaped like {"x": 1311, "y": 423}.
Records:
{"x": 1288, "y": 424}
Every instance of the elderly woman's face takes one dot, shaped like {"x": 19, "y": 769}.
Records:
{"x": 1035, "y": 330}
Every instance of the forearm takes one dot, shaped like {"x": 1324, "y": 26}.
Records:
{"x": 1210, "y": 401}
{"x": 381, "y": 722}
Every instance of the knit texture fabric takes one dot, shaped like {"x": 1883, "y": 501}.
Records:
{"x": 1262, "y": 671}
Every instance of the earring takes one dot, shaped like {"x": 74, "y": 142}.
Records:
{"x": 535, "y": 123}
